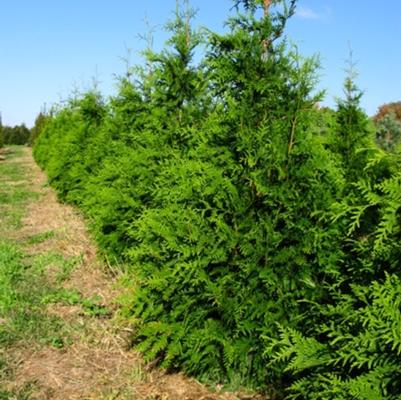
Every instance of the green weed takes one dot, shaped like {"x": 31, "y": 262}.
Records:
{"x": 90, "y": 306}
{"x": 41, "y": 237}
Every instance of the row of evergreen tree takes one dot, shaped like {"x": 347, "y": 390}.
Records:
{"x": 20, "y": 134}
{"x": 14, "y": 135}
{"x": 260, "y": 233}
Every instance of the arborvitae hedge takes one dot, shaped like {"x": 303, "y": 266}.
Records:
{"x": 260, "y": 233}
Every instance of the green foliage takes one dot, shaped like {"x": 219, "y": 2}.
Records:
{"x": 358, "y": 353}
{"x": 372, "y": 217}
{"x": 260, "y": 232}
{"x": 75, "y": 129}
{"x": 350, "y": 346}
{"x": 229, "y": 243}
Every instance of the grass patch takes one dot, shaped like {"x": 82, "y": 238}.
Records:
{"x": 24, "y": 393}
{"x": 26, "y": 290}
{"x": 13, "y": 196}
{"x": 6, "y": 374}
{"x": 40, "y": 237}
{"x": 10, "y": 171}
{"x": 90, "y": 306}
{"x": 56, "y": 266}
{"x": 5, "y": 371}
{"x": 24, "y": 281}
{"x": 22, "y": 289}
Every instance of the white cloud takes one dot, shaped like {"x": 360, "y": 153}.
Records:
{"x": 324, "y": 14}
{"x": 307, "y": 13}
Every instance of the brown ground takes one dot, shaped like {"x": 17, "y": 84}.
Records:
{"x": 97, "y": 365}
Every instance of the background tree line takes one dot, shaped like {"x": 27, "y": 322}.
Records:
{"x": 20, "y": 134}
{"x": 17, "y": 135}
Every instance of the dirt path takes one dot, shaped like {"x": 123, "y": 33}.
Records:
{"x": 96, "y": 362}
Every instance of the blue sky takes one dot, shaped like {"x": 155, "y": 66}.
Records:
{"x": 51, "y": 48}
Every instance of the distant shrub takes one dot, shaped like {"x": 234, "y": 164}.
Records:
{"x": 389, "y": 108}
{"x": 388, "y": 134}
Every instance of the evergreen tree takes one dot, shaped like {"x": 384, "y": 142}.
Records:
{"x": 351, "y": 350}
{"x": 237, "y": 238}
{"x": 353, "y": 136}
{"x": 150, "y": 119}
{"x": 68, "y": 135}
